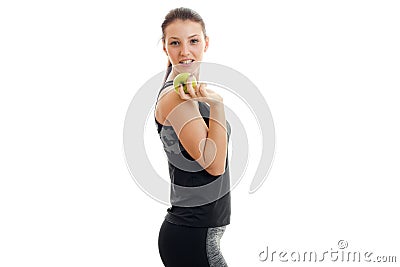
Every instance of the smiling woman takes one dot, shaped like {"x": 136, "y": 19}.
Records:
{"x": 185, "y": 46}
{"x": 195, "y": 135}
{"x": 184, "y": 36}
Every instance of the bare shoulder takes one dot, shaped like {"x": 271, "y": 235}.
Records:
{"x": 162, "y": 101}
{"x": 168, "y": 100}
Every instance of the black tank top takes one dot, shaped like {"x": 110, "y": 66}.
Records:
{"x": 214, "y": 214}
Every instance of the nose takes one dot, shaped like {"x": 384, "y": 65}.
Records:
{"x": 185, "y": 49}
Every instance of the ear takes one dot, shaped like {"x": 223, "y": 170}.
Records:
{"x": 165, "y": 49}
{"x": 207, "y": 42}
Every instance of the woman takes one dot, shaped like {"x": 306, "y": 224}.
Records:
{"x": 195, "y": 136}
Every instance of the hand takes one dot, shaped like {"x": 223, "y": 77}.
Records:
{"x": 200, "y": 93}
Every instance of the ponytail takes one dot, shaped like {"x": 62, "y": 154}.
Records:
{"x": 168, "y": 71}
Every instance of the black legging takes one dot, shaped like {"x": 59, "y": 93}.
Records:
{"x": 184, "y": 246}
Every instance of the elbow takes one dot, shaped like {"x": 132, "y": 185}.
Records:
{"x": 213, "y": 173}
{"x": 216, "y": 171}
{"x": 215, "y": 167}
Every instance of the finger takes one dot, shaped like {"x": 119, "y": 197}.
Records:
{"x": 182, "y": 93}
{"x": 203, "y": 90}
{"x": 200, "y": 89}
{"x": 190, "y": 88}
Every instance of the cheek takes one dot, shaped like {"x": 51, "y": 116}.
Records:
{"x": 199, "y": 51}
{"x": 173, "y": 55}
{"x": 173, "y": 50}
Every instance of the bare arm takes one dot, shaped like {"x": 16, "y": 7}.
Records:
{"x": 207, "y": 145}
{"x": 215, "y": 148}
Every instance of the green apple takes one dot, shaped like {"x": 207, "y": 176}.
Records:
{"x": 182, "y": 78}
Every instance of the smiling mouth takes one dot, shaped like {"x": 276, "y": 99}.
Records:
{"x": 186, "y": 61}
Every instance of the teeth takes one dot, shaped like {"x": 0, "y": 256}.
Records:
{"x": 186, "y": 61}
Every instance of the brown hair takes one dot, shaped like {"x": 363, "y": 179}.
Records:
{"x": 181, "y": 13}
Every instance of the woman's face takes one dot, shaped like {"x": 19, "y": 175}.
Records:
{"x": 184, "y": 42}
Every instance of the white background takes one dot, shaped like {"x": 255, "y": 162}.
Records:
{"x": 329, "y": 71}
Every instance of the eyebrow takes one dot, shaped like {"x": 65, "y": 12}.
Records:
{"x": 188, "y": 37}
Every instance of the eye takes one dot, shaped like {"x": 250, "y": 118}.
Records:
{"x": 174, "y": 43}
{"x": 194, "y": 41}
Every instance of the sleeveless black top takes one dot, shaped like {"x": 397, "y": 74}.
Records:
{"x": 182, "y": 211}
